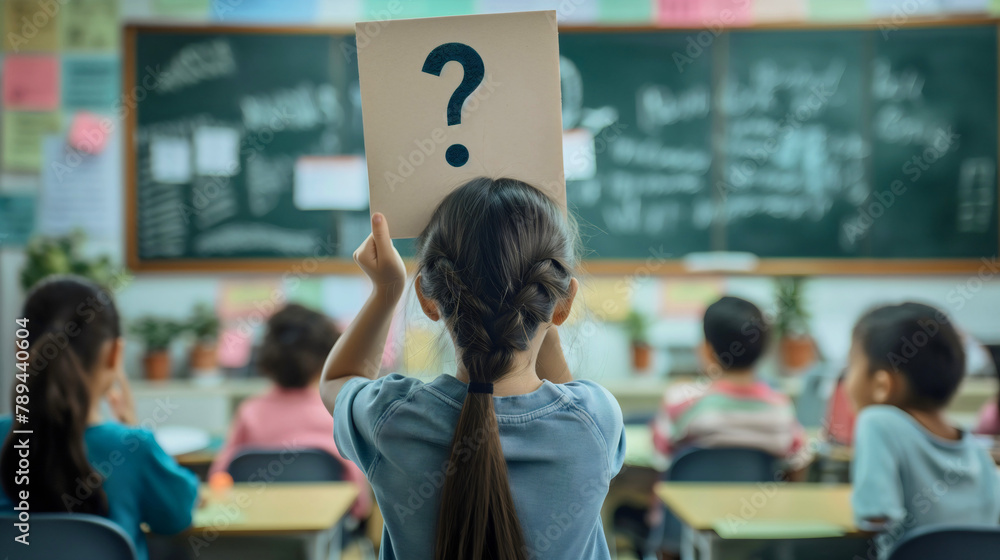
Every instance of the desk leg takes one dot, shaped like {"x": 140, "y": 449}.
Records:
{"x": 687, "y": 542}
{"x": 324, "y": 545}
{"x": 706, "y": 543}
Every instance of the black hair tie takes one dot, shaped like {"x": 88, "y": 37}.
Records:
{"x": 476, "y": 387}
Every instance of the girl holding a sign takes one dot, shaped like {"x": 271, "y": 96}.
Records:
{"x": 509, "y": 458}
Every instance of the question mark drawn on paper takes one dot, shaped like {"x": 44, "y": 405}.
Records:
{"x": 457, "y": 154}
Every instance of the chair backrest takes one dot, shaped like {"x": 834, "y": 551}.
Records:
{"x": 945, "y": 542}
{"x": 730, "y": 464}
{"x": 67, "y": 536}
{"x": 285, "y": 465}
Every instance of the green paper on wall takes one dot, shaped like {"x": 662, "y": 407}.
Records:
{"x": 90, "y": 25}
{"x": 23, "y": 133}
{"x": 90, "y": 82}
{"x": 837, "y": 10}
{"x": 634, "y": 11}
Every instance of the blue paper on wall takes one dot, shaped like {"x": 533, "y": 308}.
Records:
{"x": 265, "y": 11}
{"x": 17, "y": 219}
{"x": 90, "y": 82}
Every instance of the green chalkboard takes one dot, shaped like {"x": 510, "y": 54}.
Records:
{"x": 781, "y": 143}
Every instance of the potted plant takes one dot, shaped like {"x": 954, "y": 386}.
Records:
{"x": 796, "y": 348}
{"x": 637, "y": 327}
{"x": 204, "y": 328}
{"x": 47, "y": 256}
{"x": 156, "y": 335}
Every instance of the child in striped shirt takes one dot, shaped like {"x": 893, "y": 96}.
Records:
{"x": 732, "y": 408}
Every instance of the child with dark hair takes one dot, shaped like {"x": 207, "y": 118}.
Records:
{"x": 291, "y": 414}
{"x": 71, "y": 333}
{"x": 911, "y": 467}
{"x": 734, "y": 409}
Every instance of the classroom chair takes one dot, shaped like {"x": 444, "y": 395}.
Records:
{"x": 285, "y": 465}
{"x": 69, "y": 536}
{"x": 730, "y": 464}
{"x": 945, "y": 542}
{"x": 297, "y": 465}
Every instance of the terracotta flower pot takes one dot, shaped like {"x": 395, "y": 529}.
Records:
{"x": 642, "y": 356}
{"x": 202, "y": 357}
{"x": 156, "y": 365}
{"x": 797, "y": 353}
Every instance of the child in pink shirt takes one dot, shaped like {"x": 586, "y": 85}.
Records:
{"x": 291, "y": 414}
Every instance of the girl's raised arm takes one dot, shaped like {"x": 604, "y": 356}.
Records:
{"x": 358, "y": 352}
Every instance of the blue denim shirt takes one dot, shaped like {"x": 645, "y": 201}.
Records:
{"x": 563, "y": 444}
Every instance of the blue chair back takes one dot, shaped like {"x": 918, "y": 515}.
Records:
{"x": 731, "y": 464}
{"x": 285, "y": 465}
{"x": 68, "y": 536}
{"x": 945, "y": 542}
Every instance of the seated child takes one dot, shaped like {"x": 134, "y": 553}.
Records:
{"x": 80, "y": 463}
{"x": 989, "y": 415}
{"x": 911, "y": 468}
{"x": 734, "y": 408}
{"x": 291, "y": 414}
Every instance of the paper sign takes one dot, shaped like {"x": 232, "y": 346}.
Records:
{"x": 680, "y": 13}
{"x": 217, "y": 151}
{"x": 626, "y": 11}
{"x": 185, "y": 9}
{"x": 170, "y": 159}
{"x": 690, "y": 297}
{"x": 17, "y": 219}
{"x": 779, "y": 10}
{"x": 269, "y": 11}
{"x": 446, "y": 100}
{"x": 579, "y": 159}
{"x": 22, "y": 138}
{"x": 80, "y": 190}
{"x": 90, "y": 25}
{"x": 331, "y": 183}
{"x": 606, "y": 299}
{"x": 838, "y": 10}
{"x": 30, "y": 25}
{"x": 31, "y": 83}
{"x": 90, "y": 82}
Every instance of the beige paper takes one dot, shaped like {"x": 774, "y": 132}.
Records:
{"x": 511, "y": 123}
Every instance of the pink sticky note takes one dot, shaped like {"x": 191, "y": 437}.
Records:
{"x": 727, "y": 13}
{"x": 680, "y": 13}
{"x": 86, "y": 133}
{"x": 31, "y": 82}
{"x": 234, "y": 348}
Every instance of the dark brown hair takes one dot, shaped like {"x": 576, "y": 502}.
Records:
{"x": 918, "y": 342}
{"x": 68, "y": 321}
{"x": 497, "y": 257}
{"x": 295, "y": 346}
{"x": 736, "y": 331}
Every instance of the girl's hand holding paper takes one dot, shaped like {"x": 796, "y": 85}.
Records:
{"x": 380, "y": 260}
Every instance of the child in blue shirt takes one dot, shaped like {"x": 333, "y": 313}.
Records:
{"x": 78, "y": 464}
{"x": 911, "y": 468}
{"x": 509, "y": 458}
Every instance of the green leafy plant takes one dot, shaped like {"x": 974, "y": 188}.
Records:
{"x": 203, "y": 324}
{"x": 156, "y": 333}
{"x": 791, "y": 318}
{"x": 46, "y": 256}
{"x": 637, "y": 326}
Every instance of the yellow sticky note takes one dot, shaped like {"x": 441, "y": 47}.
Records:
{"x": 23, "y": 133}
{"x": 605, "y": 299}
{"x": 31, "y": 26}
{"x": 421, "y": 351}
{"x": 90, "y": 25}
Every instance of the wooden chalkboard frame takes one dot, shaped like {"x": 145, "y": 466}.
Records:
{"x": 627, "y": 267}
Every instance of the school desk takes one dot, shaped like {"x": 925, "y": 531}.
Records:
{"x": 312, "y": 511}
{"x": 711, "y": 512}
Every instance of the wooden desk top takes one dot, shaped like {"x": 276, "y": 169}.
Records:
{"x": 702, "y": 505}
{"x": 273, "y": 509}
